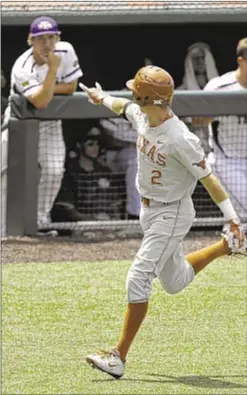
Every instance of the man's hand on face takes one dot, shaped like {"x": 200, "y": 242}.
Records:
{"x": 52, "y": 60}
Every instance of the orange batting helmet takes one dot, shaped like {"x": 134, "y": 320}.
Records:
{"x": 152, "y": 85}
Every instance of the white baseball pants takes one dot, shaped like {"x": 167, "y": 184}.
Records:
{"x": 161, "y": 252}
{"x": 233, "y": 175}
{"x": 51, "y": 158}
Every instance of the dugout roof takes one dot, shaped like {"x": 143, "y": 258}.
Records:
{"x": 125, "y": 12}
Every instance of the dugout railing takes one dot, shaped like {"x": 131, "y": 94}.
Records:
{"x": 23, "y": 173}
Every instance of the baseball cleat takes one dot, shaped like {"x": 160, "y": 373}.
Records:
{"x": 234, "y": 244}
{"x": 108, "y": 362}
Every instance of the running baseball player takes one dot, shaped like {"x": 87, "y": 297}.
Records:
{"x": 170, "y": 162}
{"x": 49, "y": 67}
{"x": 228, "y": 137}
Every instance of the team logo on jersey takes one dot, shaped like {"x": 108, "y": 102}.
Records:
{"x": 202, "y": 164}
{"x": 24, "y": 83}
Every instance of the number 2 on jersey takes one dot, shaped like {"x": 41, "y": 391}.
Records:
{"x": 156, "y": 174}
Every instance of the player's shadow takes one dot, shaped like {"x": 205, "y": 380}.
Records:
{"x": 190, "y": 380}
{"x": 204, "y": 381}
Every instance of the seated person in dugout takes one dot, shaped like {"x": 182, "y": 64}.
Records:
{"x": 89, "y": 191}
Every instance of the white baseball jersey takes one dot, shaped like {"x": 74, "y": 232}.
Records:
{"x": 27, "y": 76}
{"x": 170, "y": 157}
{"x": 230, "y": 138}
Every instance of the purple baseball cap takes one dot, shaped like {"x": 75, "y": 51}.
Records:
{"x": 43, "y": 25}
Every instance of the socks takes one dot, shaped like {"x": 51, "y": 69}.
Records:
{"x": 201, "y": 258}
{"x": 134, "y": 317}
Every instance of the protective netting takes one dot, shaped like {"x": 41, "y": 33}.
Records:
{"x": 98, "y": 186}
{"x": 96, "y": 194}
{"x": 119, "y": 6}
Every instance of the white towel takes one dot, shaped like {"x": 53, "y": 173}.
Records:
{"x": 189, "y": 79}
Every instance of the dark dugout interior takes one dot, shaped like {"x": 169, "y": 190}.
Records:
{"x": 112, "y": 54}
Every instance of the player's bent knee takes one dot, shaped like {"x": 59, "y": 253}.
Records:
{"x": 179, "y": 280}
{"x": 138, "y": 289}
{"x": 173, "y": 288}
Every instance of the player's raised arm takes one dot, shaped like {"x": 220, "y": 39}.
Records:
{"x": 44, "y": 95}
{"x": 99, "y": 97}
{"x": 28, "y": 84}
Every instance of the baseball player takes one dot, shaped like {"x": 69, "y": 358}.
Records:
{"x": 48, "y": 67}
{"x": 228, "y": 137}
{"x": 170, "y": 162}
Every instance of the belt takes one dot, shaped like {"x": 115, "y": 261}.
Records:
{"x": 146, "y": 202}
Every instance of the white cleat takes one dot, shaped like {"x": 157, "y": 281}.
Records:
{"x": 108, "y": 362}
{"x": 234, "y": 244}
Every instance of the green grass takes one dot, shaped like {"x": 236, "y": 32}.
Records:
{"x": 55, "y": 314}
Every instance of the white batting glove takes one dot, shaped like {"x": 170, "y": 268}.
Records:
{"x": 236, "y": 240}
{"x": 95, "y": 95}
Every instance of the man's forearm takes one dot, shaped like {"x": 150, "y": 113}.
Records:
{"x": 115, "y": 104}
{"x": 43, "y": 97}
{"x": 219, "y": 196}
{"x": 65, "y": 89}
{"x": 214, "y": 188}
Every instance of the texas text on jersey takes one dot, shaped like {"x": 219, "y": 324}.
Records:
{"x": 169, "y": 155}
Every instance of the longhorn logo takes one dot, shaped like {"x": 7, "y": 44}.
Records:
{"x": 157, "y": 102}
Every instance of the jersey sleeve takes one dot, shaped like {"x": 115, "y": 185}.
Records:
{"x": 211, "y": 85}
{"x": 189, "y": 152}
{"x": 134, "y": 114}
{"x": 71, "y": 70}
{"x": 25, "y": 83}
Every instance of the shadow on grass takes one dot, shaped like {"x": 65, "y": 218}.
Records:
{"x": 194, "y": 381}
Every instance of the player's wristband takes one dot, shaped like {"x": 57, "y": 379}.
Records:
{"x": 227, "y": 209}
{"x": 108, "y": 102}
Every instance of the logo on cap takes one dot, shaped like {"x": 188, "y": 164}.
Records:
{"x": 44, "y": 25}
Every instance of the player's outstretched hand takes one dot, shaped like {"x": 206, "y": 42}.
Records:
{"x": 96, "y": 95}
